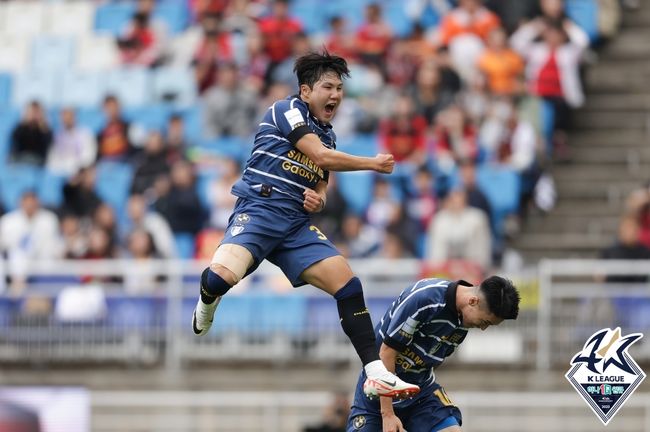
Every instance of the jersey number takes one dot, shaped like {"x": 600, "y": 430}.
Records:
{"x": 321, "y": 236}
{"x": 442, "y": 395}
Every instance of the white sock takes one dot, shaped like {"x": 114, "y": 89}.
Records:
{"x": 375, "y": 369}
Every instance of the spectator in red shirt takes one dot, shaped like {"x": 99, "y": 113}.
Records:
{"x": 143, "y": 40}
{"x": 339, "y": 41}
{"x": 374, "y": 37}
{"x": 214, "y": 50}
{"x": 278, "y": 31}
{"x": 403, "y": 133}
{"x": 455, "y": 138}
{"x": 113, "y": 141}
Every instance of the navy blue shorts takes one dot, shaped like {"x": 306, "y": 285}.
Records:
{"x": 429, "y": 413}
{"x": 287, "y": 239}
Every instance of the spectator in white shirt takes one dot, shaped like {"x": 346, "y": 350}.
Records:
{"x": 74, "y": 147}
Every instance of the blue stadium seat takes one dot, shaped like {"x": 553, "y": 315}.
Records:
{"x": 43, "y": 86}
{"x": 113, "y": 184}
{"x": 585, "y": 14}
{"x": 50, "y": 189}
{"x": 356, "y": 187}
{"x": 150, "y": 117}
{"x": 176, "y": 86}
{"x": 174, "y": 14}
{"x": 5, "y": 89}
{"x": 83, "y": 89}
{"x": 501, "y": 186}
{"x": 322, "y": 314}
{"x": 203, "y": 180}
{"x": 92, "y": 117}
{"x": 193, "y": 119}
{"x": 52, "y": 53}
{"x": 8, "y": 119}
{"x": 395, "y": 14}
{"x": 16, "y": 180}
{"x": 309, "y": 13}
{"x": 113, "y": 18}
{"x": 131, "y": 85}
{"x": 8, "y": 308}
{"x": 184, "y": 245}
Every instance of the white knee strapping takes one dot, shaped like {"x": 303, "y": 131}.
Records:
{"x": 235, "y": 258}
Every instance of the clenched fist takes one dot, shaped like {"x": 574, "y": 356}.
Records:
{"x": 385, "y": 163}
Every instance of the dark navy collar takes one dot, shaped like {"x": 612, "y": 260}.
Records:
{"x": 450, "y": 297}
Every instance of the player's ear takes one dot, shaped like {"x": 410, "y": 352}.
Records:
{"x": 473, "y": 300}
{"x": 305, "y": 90}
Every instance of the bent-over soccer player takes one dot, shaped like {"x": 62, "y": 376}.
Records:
{"x": 422, "y": 327}
{"x": 285, "y": 180}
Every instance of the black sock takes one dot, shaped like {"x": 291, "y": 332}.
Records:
{"x": 212, "y": 286}
{"x": 357, "y": 324}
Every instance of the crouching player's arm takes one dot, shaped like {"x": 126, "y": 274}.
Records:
{"x": 315, "y": 198}
{"x": 390, "y": 421}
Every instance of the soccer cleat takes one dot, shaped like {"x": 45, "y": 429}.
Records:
{"x": 389, "y": 385}
{"x": 203, "y": 315}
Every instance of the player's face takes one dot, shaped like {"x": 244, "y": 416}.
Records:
{"x": 477, "y": 315}
{"x": 325, "y": 97}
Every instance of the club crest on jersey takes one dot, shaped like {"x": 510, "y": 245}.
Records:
{"x": 242, "y": 218}
{"x": 604, "y": 373}
{"x": 236, "y": 229}
{"x": 359, "y": 422}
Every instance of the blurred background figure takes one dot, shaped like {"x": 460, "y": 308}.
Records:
{"x": 335, "y": 415}
{"x": 32, "y": 137}
{"x": 74, "y": 146}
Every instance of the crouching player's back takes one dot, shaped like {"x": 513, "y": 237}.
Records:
{"x": 425, "y": 325}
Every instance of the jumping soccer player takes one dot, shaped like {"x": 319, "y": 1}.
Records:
{"x": 285, "y": 180}
{"x": 422, "y": 327}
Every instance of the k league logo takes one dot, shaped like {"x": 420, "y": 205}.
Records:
{"x": 604, "y": 374}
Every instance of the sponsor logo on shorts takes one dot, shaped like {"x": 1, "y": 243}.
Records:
{"x": 236, "y": 229}
{"x": 604, "y": 373}
{"x": 359, "y": 422}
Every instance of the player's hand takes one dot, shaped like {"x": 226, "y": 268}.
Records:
{"x": 391, "y": 423}
{"x": 313, "y": 202}
{"x": 385, "y": 163}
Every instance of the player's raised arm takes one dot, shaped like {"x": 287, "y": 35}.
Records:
{"x": 334, "y": 160}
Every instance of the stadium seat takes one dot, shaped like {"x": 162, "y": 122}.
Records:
{"x": 52, "y": 53}
{"x": 8, "y": 119}
{"x": 83, "y": 89}
{"x": 70, "y": 18}
{"x": 193, "y": 119}
{"x": 356, "y": 187}
{"x": 310, "y": 15}
{"x": 585, "y": 14}
{"x": 24, "y": 18}
{"x": 14, "y": 52}
{"x": 184, "y": 245}
{"x": 5, "y": 89}
{"x": 322, "y": 314}
{"x": 113, "y": 184}
{"x": 174, "y": 14}
{"x": 16, "y": 180}
{"x": 204, "y": 179}
{"x": 149, "y": 117}
{"x": 93, "y": 118}
{"x": 96, "y": 53}
{"x": 176, "y": 86}
{"x": 112, "y": 18}
{"x": 395, "y": 14}
{"x": 130, "y": 85}
{"x": 42, "y": 86}
{"x": 501, "y": 186}
{"x": 50, "y": 189}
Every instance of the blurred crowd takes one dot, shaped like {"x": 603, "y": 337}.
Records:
{"x": 464, "y": 90}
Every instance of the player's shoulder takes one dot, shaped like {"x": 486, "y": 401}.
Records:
{"x": 432, "y": 288}
{"x": 290, "y": 103}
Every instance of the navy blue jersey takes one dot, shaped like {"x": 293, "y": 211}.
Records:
{"x": 276, "y": 164}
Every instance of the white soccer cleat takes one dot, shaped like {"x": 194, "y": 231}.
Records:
{"x": 203, "y": 315}
{"x": 389, "y": 385}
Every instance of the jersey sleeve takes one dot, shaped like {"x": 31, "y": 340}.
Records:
{"x": 407, "y": 317}
{"x": 290, "y": 117}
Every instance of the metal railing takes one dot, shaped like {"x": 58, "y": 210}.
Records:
{"x": 564, "y": 303}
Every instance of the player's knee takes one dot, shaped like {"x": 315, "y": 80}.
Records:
{"x": 231, "y": 262}
{"x": 350, "y": 289}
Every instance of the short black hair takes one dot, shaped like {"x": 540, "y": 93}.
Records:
{"x": 502, "y": 297}
{"x": 310, "y": 67}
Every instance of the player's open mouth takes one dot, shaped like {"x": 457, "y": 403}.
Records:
{"x": 329, "y": 108}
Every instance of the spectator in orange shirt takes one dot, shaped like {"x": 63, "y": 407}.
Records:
{"x": 374, "y": 36}
{"x": 501, "y": 65}
{"x": 469, "y": 17}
